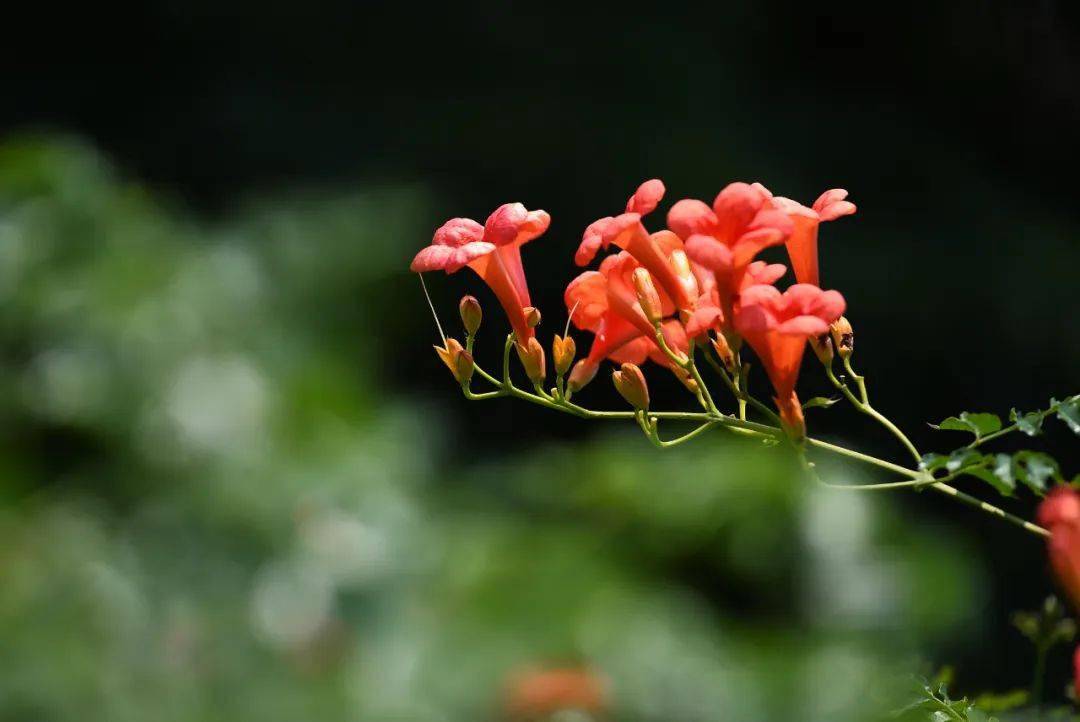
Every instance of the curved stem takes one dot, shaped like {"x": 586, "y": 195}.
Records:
{"x": 863, "y": 405}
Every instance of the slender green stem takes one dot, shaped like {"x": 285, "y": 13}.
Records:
{"x": 989, "y": 508}
{"x": 709, "y": 419}
{"x": 649, "y": 426}
{"x": 863, "y": 405}
{"x": 858, "y": 455}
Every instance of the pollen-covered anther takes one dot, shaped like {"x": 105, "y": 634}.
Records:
{"x": 531, "y": 354}
{"x": 471, "y": 314}
{"x": 563, "y": 350}
{"x": 843, "y": 337}
{"x": 630, "y": 383}
{"x": 647, "y": 295}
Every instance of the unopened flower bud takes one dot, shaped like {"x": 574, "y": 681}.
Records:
{"x": 563, "y": 351}
{"x": 723, "y": 350}
{"x": 685, "y": 272}
{"x": 823, "y": 348}
{"x": 647, "y": 295}
{"x": 531, "y": 354}
{"x": 532, "y": 316}
{"x": 630, "y": 383}
{"x": 464, "y": 367}
{"x": 685, "y": 379}
{"x": 584, "y": 372}
{"x": 457, "y": 359}
{"x": 843, "y": 337}
{"x": 471, "y": 314}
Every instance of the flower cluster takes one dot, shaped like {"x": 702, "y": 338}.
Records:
{"x": 660, "y": 294}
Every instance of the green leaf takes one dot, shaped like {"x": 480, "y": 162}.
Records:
{"x": 978, "y": 424}
{"x": 1030, "y": 423}
{"x": 819, "y": 401}
{"x": 932, "y": 462}
{"x": 1003, "y": 486}
{"x": 1069, "y": 412}
{"x": 1003, "y": 470}
{"x": 963, "y": 458}
{"x": 1034, "y": 468}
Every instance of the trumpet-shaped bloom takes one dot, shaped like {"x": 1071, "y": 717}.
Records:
{"x": 626, "y": 231}
{"x": 802, "y": 244}
{"x": 1060, "y": 514}
{"x": 493, "y": 251}
{"x": 708, "y": 315}
{"x": 777, "y": 326}
{"x": 725, "y": 238}
{"x": 605, "y": 303}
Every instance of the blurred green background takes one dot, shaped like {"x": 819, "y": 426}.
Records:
{"x": 237, "y": 484}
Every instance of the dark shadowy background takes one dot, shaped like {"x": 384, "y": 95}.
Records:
{"x": 953, "y": 126}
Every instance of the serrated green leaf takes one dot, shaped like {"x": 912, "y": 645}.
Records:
{"x": 1030, "y": 423}
{"x": 963, "y": 458}
{"x": 932, "y": 462}
{"x": 819, "y": 402}
{"x": 1003, "y": 470}
{"x": 1069, "y": 412}
{"x": 1003, "y": 486}
{"x": 978, "y": 424}
{"x": 1034, "y": 469}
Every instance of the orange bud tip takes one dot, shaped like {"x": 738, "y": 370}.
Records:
{"x": 563, "y": 350}
{"x": 457, "y": 359}
{"x": 823, "y": 348}
{"x": 843, "y": 337}
{"x": 471, "y": 314}
{"x": 532, "y": 358}
{"x": 647, "y": 295}
{"x": 724, "y": 352}
{"x": 532, "y": 316}
{"x": 630, "y": 383}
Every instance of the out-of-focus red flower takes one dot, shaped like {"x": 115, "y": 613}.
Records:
{"x": 725, "y": 238}
{"x": 1060, "y": 514}
{"x": 777, "y": 326}
{"x": 1076, "y": 672}
{"x": 653, "y": 251}
{"x": 605, "y": 302}
{"x": 493, "y": 251}
{"x": 803, "y": 241}
{"x": 536, "y": 694}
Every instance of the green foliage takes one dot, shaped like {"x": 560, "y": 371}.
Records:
{"x": 1048, "y": 626}
{"x": 1069, "y": 412}
{"x": 1029, "y": 423}
{"x": 820, "y": 402}
{"x": 933, "y": 704}
{"x": 1034, "y": 469}
{"x": 978, "y": 424}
